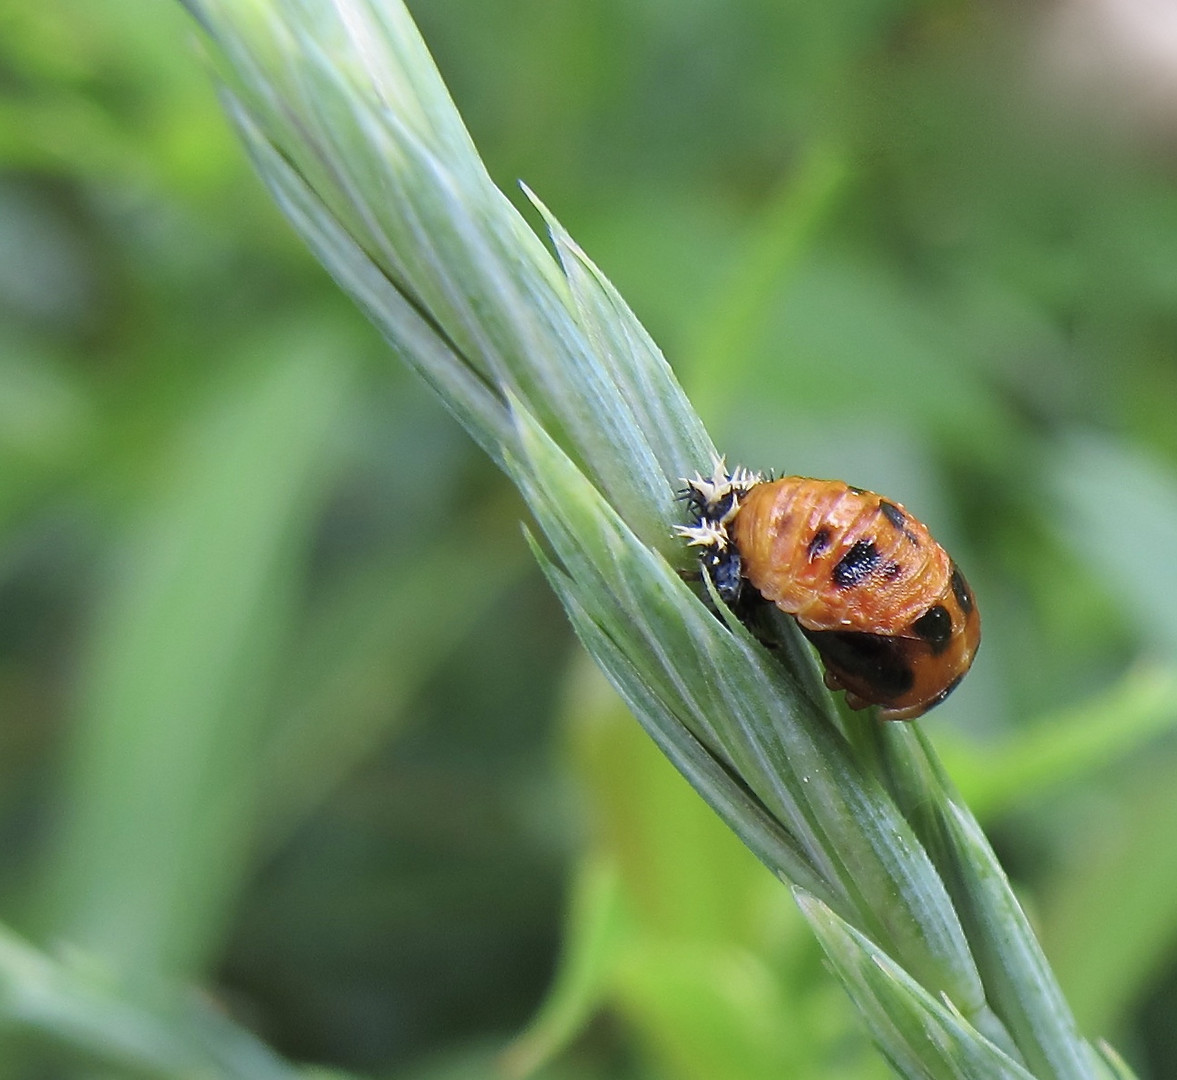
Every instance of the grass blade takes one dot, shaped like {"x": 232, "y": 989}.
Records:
{"x": 185, "y": 650}
{"x": 919, "y": 1035}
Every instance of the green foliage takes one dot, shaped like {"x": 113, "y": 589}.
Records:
{"x": 202, "y": 588}
{"x": 276, "y": 684}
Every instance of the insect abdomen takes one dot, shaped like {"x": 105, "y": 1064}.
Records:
{"x": 837, "y": 557}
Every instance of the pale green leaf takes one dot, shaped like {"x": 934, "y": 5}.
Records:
{"x": 920, "y": 1036}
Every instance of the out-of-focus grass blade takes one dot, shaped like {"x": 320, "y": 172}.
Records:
{"x": 161, "y": 787}
{"x": 48, "y": 426}
{"x": 630, "y": 608}
{"x": 367, "y": 653}
{"x": 1116, "y": 1068}
{"x": 920, "y": 1036}
{"x": 1101, "y": 486}
{"x": 710, "y": 1010}
{"x": 591, "y": 936}
{"x": 45, "y": 417}
{"x": 1104, "y": 927}
{"x": 777, "y": 241}
{"x": 79, "y": 1003}
{"x": 1065, "y": 746}
{"x": 1118, "y": 510}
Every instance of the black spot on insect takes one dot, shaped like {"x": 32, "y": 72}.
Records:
{"x": 870, "y": 659}
{"x": 819, "y": 543}
{"x": 960, "y": 590}
{"x": 892, "y": 571}
{"x": 893, "y": 514}
{"x": 856, "y": 565}
{"x": 935, "y": 627}
{"x": 899, "y": 519}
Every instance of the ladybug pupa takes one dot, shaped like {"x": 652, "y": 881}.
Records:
{"x": 891, "y": 616}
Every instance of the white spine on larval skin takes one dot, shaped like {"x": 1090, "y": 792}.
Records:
{"x": 710, "y": 528}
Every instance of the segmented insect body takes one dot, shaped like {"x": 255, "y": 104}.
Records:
{"x": 891, "y": 616}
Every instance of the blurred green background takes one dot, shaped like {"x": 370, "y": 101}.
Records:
{"x": 285, "y": 709}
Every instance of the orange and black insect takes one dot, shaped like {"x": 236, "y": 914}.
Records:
{"x": 891, "y": 616}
